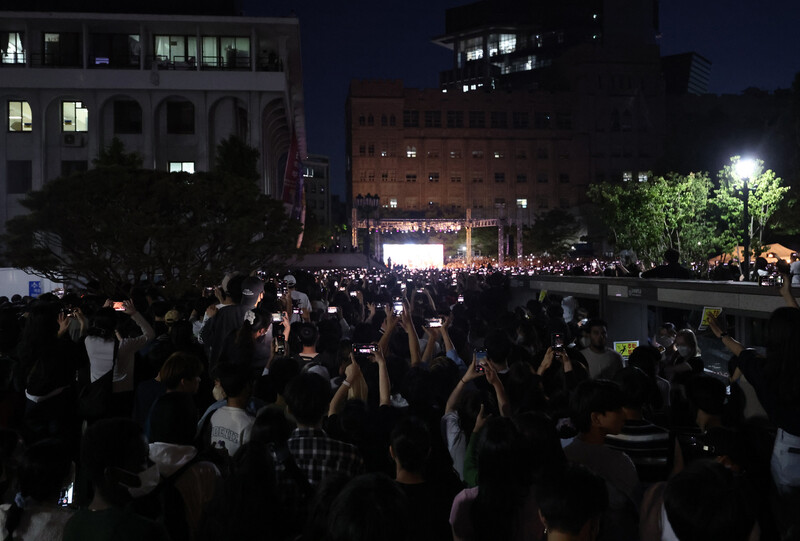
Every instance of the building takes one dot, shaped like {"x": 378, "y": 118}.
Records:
{"x": 316, "y": 180}
{"x": 171, "y": 87}
{"x": 507, "y": 135}
{"x": 687, "y": 73}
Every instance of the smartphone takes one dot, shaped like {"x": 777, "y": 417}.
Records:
{"x": 433, "y": 322}
{"x": 277, "y": 317}
{"x": 280, "y": 348}
{"x": 557, "y": 341}
{"x": 354, "y": 293}
{"x": 480, "y": 359}
{"x": 397, "y": 307}
{"x": 461, "y": 299}
{"x": 332, "y": 310}
{"x": 364, "y": 349}
{"x": 119, "y": 307}
{"x": 296, "y": 310}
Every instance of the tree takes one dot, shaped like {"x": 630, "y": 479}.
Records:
{"x": 662, "y": 212}
{"x": 114, "y": 155}
{"x": 554, "y": 232}
{"x": 120, "y": 224}
{"x": 766, "y": 193}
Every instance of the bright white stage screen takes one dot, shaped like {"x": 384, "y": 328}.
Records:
{"x": 415, "y": 256}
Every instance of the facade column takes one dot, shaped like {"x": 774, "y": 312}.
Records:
{"x": 468, "y": 225}
{"x": 501, "y": 243}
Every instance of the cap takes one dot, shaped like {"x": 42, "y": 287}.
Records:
{"x": 252, "y": 287}
{"x": 171, "y": 317}
{"x": 290, "y": 280}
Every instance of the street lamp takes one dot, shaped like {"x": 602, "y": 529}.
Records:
{"x": 745, "y": 169}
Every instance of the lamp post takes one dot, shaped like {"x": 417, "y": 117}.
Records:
{"x": 368, "y": 204}
{"x": 745, "y": 170}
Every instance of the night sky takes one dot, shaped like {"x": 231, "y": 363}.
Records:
{"x": 749, "y": 44}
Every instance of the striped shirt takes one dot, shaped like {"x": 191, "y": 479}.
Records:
{"x": 647, "y": 445}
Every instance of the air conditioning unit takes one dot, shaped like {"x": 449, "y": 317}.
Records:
{"x": 73, "y": 140}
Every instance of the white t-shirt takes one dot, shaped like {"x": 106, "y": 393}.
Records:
{"x": 300, "y": 300}
{"x": 230, "y": 428}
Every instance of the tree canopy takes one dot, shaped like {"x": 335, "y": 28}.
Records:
{"x": 118, "y": 223}
{"x": 663, "y": 212}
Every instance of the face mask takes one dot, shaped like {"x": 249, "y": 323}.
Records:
{"x": 665, "y": 341}
{"x": 684, "y": 351}
{"x": 148, "y": 481}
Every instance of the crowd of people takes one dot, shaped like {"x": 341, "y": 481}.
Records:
{"x": 385, "y": 404}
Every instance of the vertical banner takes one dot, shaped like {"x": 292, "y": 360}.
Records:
{"x": 293, "y": 198}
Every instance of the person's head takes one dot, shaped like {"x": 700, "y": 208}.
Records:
{"x": 181, "y": 372}
{"x": 173, "y": 419}
{"x": 497, "y": 347}
{"x": 410, "y": 445}
{"x": 686, "y": 344}
{"x": 252, "y": 291}
{"x": 282, "y": 371}
{"x": 573, "y": 503}
{"x": 370, "y": 507}
{"x": 234, "y": 379}
{"x": 597, "y": 406}
{"x": 646, "y": 359}
{"x": 308, "y": 335}
{"x": 43, "y": 470}
{"x": 114, "y": 451}
{"x": 598, "y": 333}
{"x": 666, "y": 334}
{"x": 271, "y": 425}
{"x": 707, "y": 394}
{"x": 307, "y": 398}
{"x": 291, "y": 281}
{"x": 637, "y": 389}
{"x": 708, "y": 501}
{"x": 672, "y": 256}
{"x": 103, "y": 324}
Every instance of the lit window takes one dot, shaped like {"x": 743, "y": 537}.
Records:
{"x": 411, "y": 152}
{"x": 465, "y": 88}
{"x": 477, "y": 154}
{"x": 19, "y": 116}
{"x": 522, "y": 203}
{"x": 508, "y": 43}
{"x": 74, "y": 116}
{"x": 181, "y": 167}
{"x": 455, "y": 153}
{"x": 627, "y": 176}
{"x": 384, "y": 153}
{"x": 12, "y": 51}
{"x": 393, "y": 203}
{"x": 642, "y": 177}
{"x": 498, "y": 153}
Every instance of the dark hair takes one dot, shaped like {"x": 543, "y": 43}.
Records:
{"x": 233, "y": 378}
{"x": 594, "y": 396}
{"x": 179, "y": 366}
{"x": 541, "y": 445}
{"x": 706, "y": 393}
{"x": 646, "y": 359}
{"x": 497, "y": 346}
{"x": 271, "y": 425}
{"x": 281, "y": 372}
{"x": 103, "y": 324}
{"x": 671, "y": 255}
{"x": 307, "y": 334}
{"x": 637, "y": 389}
{"x": 370, "y": 507}
{"x": 43, "y": 470}
{"x": 411, "y": 444}
{"x": 568, "y": 502}
{"x": 173, "y": 419}
{"x": 113, "y": 443}
{"x": 595, "y": 322}
{"x": 307, "y": 397}
{"x": 707, "y": 501}
{"x": 503, "y": 480}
